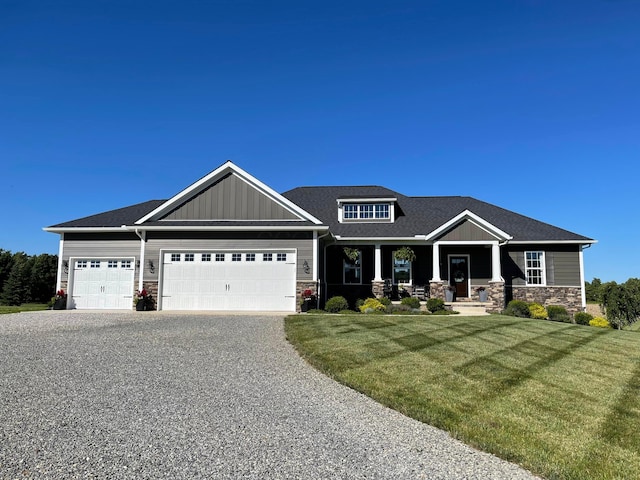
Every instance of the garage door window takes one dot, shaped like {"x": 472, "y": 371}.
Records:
{"x": 219, "y": 257}
{"x": 189, "y": 257}
{"x": 236, "y": 257}
{"x": 206, "y": 257}
{"x": 175, "y": 257}
{"x": 267, "y": 257}
{"x": 282, "y": 257}
{"x": 95, "y": 263}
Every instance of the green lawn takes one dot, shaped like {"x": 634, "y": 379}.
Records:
{"x": 562, "y": 400}
{"x": 27, "y": 307}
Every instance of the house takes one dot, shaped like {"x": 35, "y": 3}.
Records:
{"x": 230, "y": 242}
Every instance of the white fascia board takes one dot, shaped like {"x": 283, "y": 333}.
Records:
{"x": 223, "y": 169}
{"x": 231, "y": 228}
{"x": 87, "y": 229}
{"x": 373, "y": 240}
{"x": 367, "y": 200}
{"x": 479, "y": 221}
{"x": 552, "y": 242}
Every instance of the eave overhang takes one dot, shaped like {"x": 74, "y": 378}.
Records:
{"x": 476, "y": 220}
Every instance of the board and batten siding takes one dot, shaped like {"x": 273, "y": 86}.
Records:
{"x": 468, "y": 232}
{"x": 154, "y": 246}
{"x": 99, "y": 246}
{"x": 562, "y": 265}
{"x": 231, "y": 198}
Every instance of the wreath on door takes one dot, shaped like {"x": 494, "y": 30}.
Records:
{"x": 458, "y": 277}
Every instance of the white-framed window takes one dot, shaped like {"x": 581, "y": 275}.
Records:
{"x": 189, "y": 257}
{"x": 534, "y": 268}
{"x": 206, "y": 257}
{"x": 126, "y": 264}
{"x": 176, "y": 257}
{"x": 352, "y": 270}
{"x": 81, "y": 264}
{"x": 366, "y": 211}
{"x": 112, "y": 264}
{"x": 219, "y": 257}
{"x": 236, "y": 257}
{"x": 401, "y": 271}
{"x": 95, "y": 263}
{"x": 250, "y": 257}
{"x": 282, "y": 257}
{"x": 267, "y": 257}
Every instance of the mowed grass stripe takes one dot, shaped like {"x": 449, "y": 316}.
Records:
{"x": 562, "y": 400}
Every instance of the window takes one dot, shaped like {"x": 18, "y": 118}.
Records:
{"x": 219, "y": 257}
{"x": 206, "y": 257}
{"x": 175, "y": 257}
{"x": 534, "y": 268}
{"x": 401, "y": 271}
{"x": 282, "y": 257}
{"x": 236, "y": 257}
{"x": 366, "y": 211}
{"x": 189, "y": 257}
{"x": 81, "y": 264}
{"x": 250, "y": 257}
{"x": 95, "y": 263}
{"x": 112, "y": 264}
{"x": 352, "y": 271}
{"x": 126, "y": 263}
{"x": 267, "y": 257}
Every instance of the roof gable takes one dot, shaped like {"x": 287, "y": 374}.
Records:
{"x": 468, "y": 226}
{"x": 228, "y": 194}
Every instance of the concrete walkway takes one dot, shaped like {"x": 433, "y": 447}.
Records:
{"x": 147, "y": 395}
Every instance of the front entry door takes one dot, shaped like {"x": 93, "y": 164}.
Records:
{"x": 459, "y": 275}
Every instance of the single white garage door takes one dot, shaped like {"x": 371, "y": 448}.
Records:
{"x": 105, "y": 283}
{"x": 255, "y": 281}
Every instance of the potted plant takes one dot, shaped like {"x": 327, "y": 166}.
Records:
{"x": 140, "y": 300}
{"x": 483, "y": 295}
{"x": 405, "y": 253}
{"x": 449, "y": 293}
{"x": 60, "y": 300}
{"x": 308, "y": 298}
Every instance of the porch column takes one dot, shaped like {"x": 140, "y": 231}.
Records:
{"x": 495, "y": 263}
{"x": 378, "y": 264}
{"x": 435, "y": 277}
{"x": 143, "y": 239}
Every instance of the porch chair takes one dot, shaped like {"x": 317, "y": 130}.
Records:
{"x": 419, "y": 292}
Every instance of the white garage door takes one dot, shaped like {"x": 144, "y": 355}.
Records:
{"x": 102, "y": 284}
{"x": 255, "y": 280}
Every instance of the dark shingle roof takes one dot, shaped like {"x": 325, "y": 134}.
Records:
{"x": 114, "y": 218}
{"x": 420, "y": 215}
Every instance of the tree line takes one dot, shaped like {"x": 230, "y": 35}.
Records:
{"x": 620, "y": 301}
{"x": 27, "y": 278}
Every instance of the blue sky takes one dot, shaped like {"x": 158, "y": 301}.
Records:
{"x": 531, "y": 105}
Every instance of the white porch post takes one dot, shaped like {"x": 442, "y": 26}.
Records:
{"x": 495, "y": 263}
{"x": 584, "y": 294}
{"x": 60, "y": 263}
{"x": 315, "y": 256}
{"x": 378, "y": 264}
{"x": 141, "y": 269}
{"x": 436, "y": 263}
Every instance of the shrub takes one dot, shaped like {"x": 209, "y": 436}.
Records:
{"x": 372, "y": 304}
{"x": 399, "y": 309}
{"x": 335, "y": 304}
{"x": 435, "y": 304}
{"x": 600, "y": 322}
{"x": 583, "y": 318}
{"x": 385, "y": 301}
{"x": 410, "y": 302}
{"x": 558, "y": 313}
{"x": 517, "y": 308}
{"x": 538, "y": 311}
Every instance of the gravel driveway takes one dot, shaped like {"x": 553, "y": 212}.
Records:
{"x": 154, "y": 395}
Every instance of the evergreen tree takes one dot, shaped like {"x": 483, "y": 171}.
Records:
{"x": 43, "y": 277}
{"x": 16, "y": 289}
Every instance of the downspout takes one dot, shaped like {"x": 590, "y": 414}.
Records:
{"x": 143, "y": 237}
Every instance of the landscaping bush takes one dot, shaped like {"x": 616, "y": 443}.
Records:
{"x": 372, "y": 305}
{"x": 538, "y": 311}
{"x": 558, "y": 313}
{"x": 435, "y": 305}
{"x": 583, "y": 318}
{"x": 600, "y": 322}
{"x": 399, "y": 309}
{"x": 410, "y": 302}
{"x": 385, "y": 301}
{"x": 517, "y": 308}
{"x": 335, "y": 304}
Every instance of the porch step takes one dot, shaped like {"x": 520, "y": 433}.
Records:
{"x": 468, "y": 308}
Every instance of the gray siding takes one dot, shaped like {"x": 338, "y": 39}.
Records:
{"x": 100, "y": 246}
{"x": 231, "y": 198}
{"x": 562, "y": 265}
{"x": 466, "y": 231}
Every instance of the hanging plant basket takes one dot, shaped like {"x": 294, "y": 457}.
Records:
{"x": 405, "y": 253}
{"x": 352, "y": 254}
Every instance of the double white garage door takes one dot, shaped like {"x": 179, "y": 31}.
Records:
{"x": 251, "y": 280}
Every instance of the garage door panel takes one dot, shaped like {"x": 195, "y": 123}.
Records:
{"x": 240, "y": 281}
{"x": 102, "y": 284}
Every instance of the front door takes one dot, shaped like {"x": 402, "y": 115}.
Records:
{"x": 459, "y": 275}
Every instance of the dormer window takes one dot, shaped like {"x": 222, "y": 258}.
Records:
{"x": 369, "y": 211}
